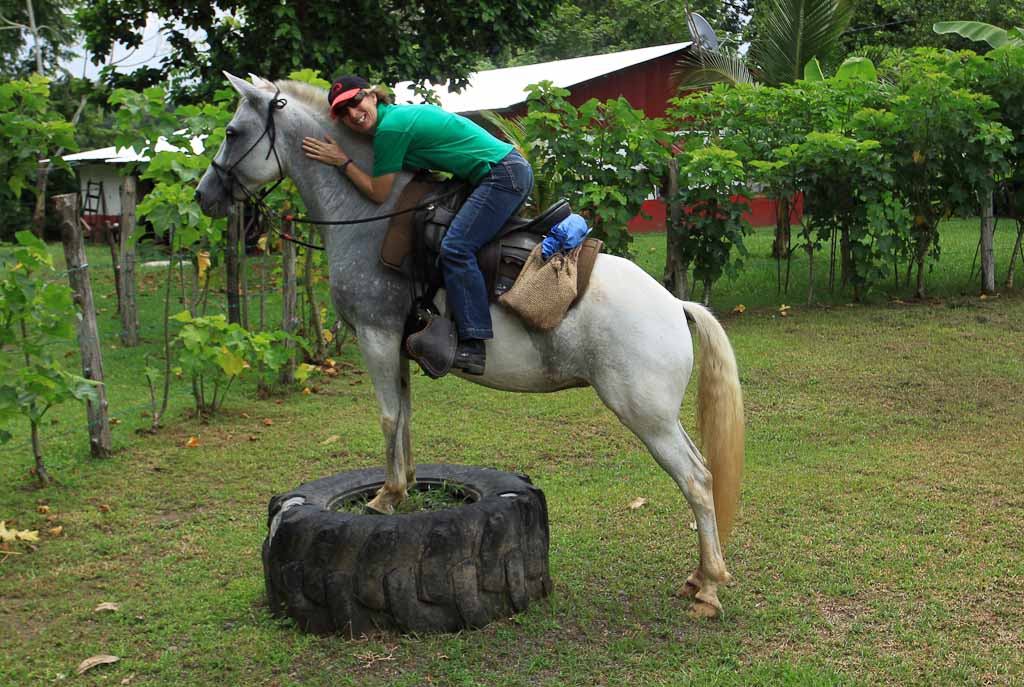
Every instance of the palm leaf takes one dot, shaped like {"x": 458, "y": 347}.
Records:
{"x": 792, "y": 32}
{"x": 703, "y": 69}
{"x": 512, "y": 128}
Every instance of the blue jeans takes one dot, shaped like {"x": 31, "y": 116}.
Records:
{"x": 492, "y": 202}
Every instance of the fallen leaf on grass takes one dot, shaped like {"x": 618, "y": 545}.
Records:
{"x": 114, "y": 421}
{"x": 104, "y": 508}
{"x": 128, "y": 680}
{"x": 43, "y": 509}
{"x": 7, "y": 535}
{"x": 94, "y": 661}
{"x": 307, "y": 391}
{"x": 328, "y": 440}
{"x": 55, "y": 531}
{"x": 192, "y": 442}
{"x": 740, "y": 309}
{"x": 107, "y": 606}
{"x": 638, "y": 502}
{"x": 267, "y": 421}
{"x": 693, "y": 525}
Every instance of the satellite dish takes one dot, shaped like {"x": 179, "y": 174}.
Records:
{"x": 701, "y": 31}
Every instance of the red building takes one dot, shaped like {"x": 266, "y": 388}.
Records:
{"x": 643, "y": 77}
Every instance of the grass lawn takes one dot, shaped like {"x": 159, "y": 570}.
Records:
{"x": 880, "y": 538}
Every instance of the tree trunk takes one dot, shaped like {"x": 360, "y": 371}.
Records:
{"x": 988, "y": 250}
{"x": 810, "y": 274}
{"x": 88, "y": 334}
{"x": 41, "y": 474}
{"x": 43, "y": 176}
{"x": 675, "y": 278}
{"x": 780, "y": 247}
{"x": 126, "y": 259}
{"x": 231, "y": 264}
{"x": 289, "y": 298}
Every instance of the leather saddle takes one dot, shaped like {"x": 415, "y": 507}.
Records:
{"x": 413, "y": 241}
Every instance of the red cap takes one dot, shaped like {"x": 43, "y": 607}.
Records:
{"x": 345, "y": 87}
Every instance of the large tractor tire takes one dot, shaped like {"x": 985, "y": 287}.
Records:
{"x": 440, "y": 571}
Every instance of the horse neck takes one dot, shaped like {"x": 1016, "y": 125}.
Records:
{"x": 327, "y": 195}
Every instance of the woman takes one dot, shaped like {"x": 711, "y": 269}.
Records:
{"x": 427, "y": 137}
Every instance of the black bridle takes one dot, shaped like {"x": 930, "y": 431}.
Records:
{"x": 227, "y": 178}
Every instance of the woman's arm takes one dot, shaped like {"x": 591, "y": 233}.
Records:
{"x": 328, "y": 152}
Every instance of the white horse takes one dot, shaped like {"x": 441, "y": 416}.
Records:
{"x": 627, "y": 337}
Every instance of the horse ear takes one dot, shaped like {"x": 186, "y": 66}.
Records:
{"x": 260, "y": 82}
{"x": 246, "y": 90}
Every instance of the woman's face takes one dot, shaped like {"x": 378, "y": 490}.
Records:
{"x": 361, "y": 117}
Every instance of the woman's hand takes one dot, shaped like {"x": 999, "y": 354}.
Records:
{"x": 326, "y": 151}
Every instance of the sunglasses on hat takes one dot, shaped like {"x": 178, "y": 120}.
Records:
{"x": 339, "y": 108}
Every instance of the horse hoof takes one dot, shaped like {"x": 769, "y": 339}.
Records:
{"x": 688, "y": 590}
{"x": 379, "y": 506}
{"x": 702, "y": 610}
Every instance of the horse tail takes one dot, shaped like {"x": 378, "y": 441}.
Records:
{"x": 719, "y": 415}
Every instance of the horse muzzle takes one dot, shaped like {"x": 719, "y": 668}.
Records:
{"x": 211, "y": 196}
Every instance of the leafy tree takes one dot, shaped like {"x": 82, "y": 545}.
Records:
{"x": 37, "y": 320}
{"x": 29, "y": 130}
{"x": 594, "y": 27}
{"x": 607, "y": 157}
{"x": 847, "y": 191}
{"x": 710, "y": 234}
{"x": 389, "y": 42}
{"x": 945, "y": 142}
{"x": 35, "y": 35}
{"x": 908, "y": 23}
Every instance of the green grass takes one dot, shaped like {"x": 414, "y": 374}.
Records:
{"x": 422, "y": 497}
{"x": 879, "y": 540}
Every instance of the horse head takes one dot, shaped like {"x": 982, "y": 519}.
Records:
{"x": 248, "y": 157}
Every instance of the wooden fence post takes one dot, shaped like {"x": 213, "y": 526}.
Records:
{"x": 100, "y": 442}
{"x": 289, "y": 301}
{"x": 243, "y": 266}
{"x": 126, "y": 259}
{"x": 231, "y": 263}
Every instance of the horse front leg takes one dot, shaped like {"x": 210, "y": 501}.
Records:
{"x": 389, "y": 373}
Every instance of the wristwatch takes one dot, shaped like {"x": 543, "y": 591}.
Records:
{"x": 343, "y": 165}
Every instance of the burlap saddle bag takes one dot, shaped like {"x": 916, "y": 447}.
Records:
{"x": 544, "y": 290}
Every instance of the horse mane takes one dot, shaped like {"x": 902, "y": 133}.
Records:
{"x": 313, "y": 97}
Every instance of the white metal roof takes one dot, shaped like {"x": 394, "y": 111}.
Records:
{"x": 498, "y": 89}
{"x": 116, "y": 156}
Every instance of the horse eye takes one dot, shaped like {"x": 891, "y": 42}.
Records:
{"x": 230, "y": 133}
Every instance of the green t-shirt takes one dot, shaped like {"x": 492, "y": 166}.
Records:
{"x": 427, "y": 137}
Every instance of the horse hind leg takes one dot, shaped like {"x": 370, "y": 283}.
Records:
{"x": 676, "y": 453}
{"x": 655, "y": 421}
